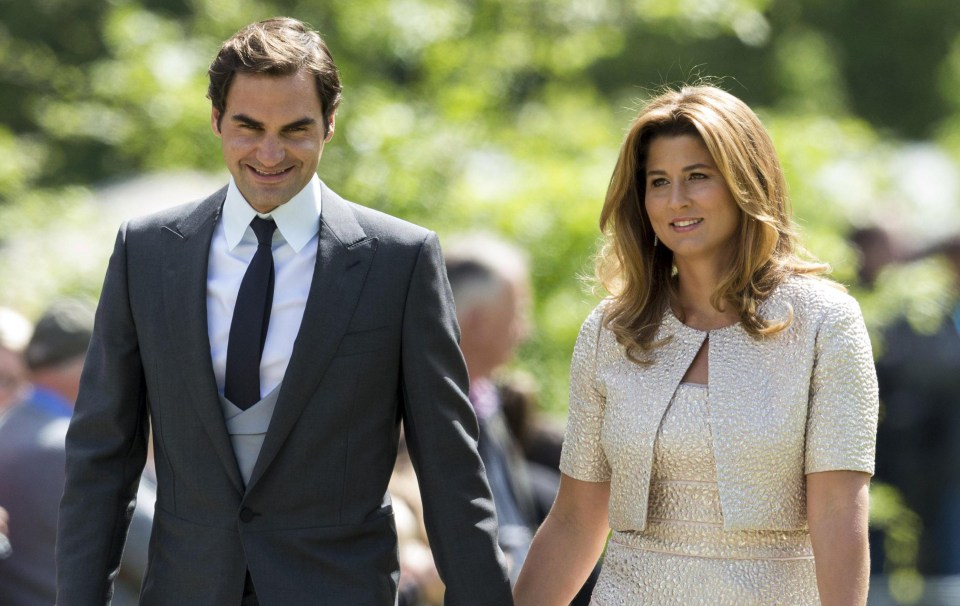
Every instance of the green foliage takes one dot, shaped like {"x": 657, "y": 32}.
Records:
{"x": 501, "y": 113}
{"x": 901, "y": 528}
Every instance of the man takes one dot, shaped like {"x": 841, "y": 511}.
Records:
{"x": 275, "y": 434}
{"x": 14, "y": 332}
{"x": 491, "y": 290}
{"x": 32, "y": 459}
{"x": 31, "y": 452}
{"x": 490, "y": 279}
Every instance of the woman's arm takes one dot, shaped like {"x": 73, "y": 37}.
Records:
{"x": 567, "y": 546}
{"x": 837, "y": 512}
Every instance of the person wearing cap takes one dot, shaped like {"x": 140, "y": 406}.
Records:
{"x": 32, "y": 457}
{"x": 14, "y": 333}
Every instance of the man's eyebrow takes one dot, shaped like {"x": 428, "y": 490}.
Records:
{"x": 245, "y": 119}
{"x": 300, "y": 123}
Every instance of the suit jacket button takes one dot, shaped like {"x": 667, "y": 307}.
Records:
{"x": 247, "y": 514}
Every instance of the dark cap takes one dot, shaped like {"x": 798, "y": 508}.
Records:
{"x": 63, "y": 332}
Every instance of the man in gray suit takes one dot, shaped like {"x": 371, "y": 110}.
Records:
{"x": 277, "y": 498}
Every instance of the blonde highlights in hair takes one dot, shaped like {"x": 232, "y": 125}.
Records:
{"x": 638, "y": 274}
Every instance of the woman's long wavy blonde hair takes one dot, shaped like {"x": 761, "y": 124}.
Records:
{"x": 639, "y": 275}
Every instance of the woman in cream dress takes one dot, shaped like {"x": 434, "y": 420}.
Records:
{"x": 723, "y": 399}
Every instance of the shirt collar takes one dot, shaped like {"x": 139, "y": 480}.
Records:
{"x": 298, "y": 220}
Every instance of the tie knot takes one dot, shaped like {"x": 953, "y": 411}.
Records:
{"x": 264, "y": 229}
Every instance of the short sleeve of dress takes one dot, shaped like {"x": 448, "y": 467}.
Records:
{"x": 583, "y": 457}
{"x": 844, "y": 403}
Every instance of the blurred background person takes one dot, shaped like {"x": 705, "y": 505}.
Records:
{"x": 876, "y": 248}
{"x": 491, "y": 290}
{"x": 32, "y": 462}
{"x": 31, "y": 451}
{"x": 14, "y": 333}
{"x": 918, "y": 449}
{"x": 490, "y": 279}
{"x": 540, "y": 436}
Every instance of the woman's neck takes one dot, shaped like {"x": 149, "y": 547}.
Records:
{"x": 695, "y": 287}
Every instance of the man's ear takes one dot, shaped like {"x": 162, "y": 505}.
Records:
{"x": 215, "y": 120}
{"x": 330, "y": 128}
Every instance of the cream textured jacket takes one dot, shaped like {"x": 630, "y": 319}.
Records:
{"x": 798, "y": 402}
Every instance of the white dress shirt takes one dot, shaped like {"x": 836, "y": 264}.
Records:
{"x": 294, "y": 258}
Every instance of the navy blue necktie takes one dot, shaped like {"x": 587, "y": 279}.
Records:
{"x": 248, "y": 329}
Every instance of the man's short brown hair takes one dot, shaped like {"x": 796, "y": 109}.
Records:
{"x": 277, "y": 47}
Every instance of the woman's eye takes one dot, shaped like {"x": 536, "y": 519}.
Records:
{"x": 697, "y": 176}
{"x": 658, "y": 182}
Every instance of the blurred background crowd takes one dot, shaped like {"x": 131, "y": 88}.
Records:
{"x": 503, "y": 116}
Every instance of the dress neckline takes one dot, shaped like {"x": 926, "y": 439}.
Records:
{"x": 671, "y": 319}
{"x": 671, "y": 315}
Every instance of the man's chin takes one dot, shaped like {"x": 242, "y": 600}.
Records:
{"x": 265, "y": 201}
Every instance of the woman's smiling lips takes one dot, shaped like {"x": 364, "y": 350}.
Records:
{"x": 685, "y": 224}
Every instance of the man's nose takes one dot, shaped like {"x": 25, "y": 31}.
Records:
{"x": 270, "y": 152}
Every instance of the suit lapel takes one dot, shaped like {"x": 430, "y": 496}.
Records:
{"x": 186, "y": 247}
{"x": 344, "y": 254}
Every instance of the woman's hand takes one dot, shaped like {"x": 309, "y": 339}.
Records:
{"x": 567, "y": 546}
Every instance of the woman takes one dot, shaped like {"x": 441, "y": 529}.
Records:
{"x": 723, "y": 399}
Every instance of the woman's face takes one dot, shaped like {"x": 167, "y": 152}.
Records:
{"x": 689, "y": 204}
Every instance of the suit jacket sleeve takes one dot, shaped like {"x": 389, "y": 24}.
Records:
{"x": 441, "y": 431}
{"x": 105, "y": 448}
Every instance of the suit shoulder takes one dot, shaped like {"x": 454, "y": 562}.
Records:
{"x": 152, "y": 221}
{"x": 388, "y": 228}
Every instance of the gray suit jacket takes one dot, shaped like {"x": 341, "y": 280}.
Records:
{"x": 314, "y": 525}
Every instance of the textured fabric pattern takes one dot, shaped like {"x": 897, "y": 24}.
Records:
{"x": 670, "y": 580}
{"x": 801, "y": 401}
{"x": 684, "y": 556}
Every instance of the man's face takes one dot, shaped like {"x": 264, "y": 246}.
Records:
{"x": 492, "y": 331}
{"x": 272, "y": 135}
